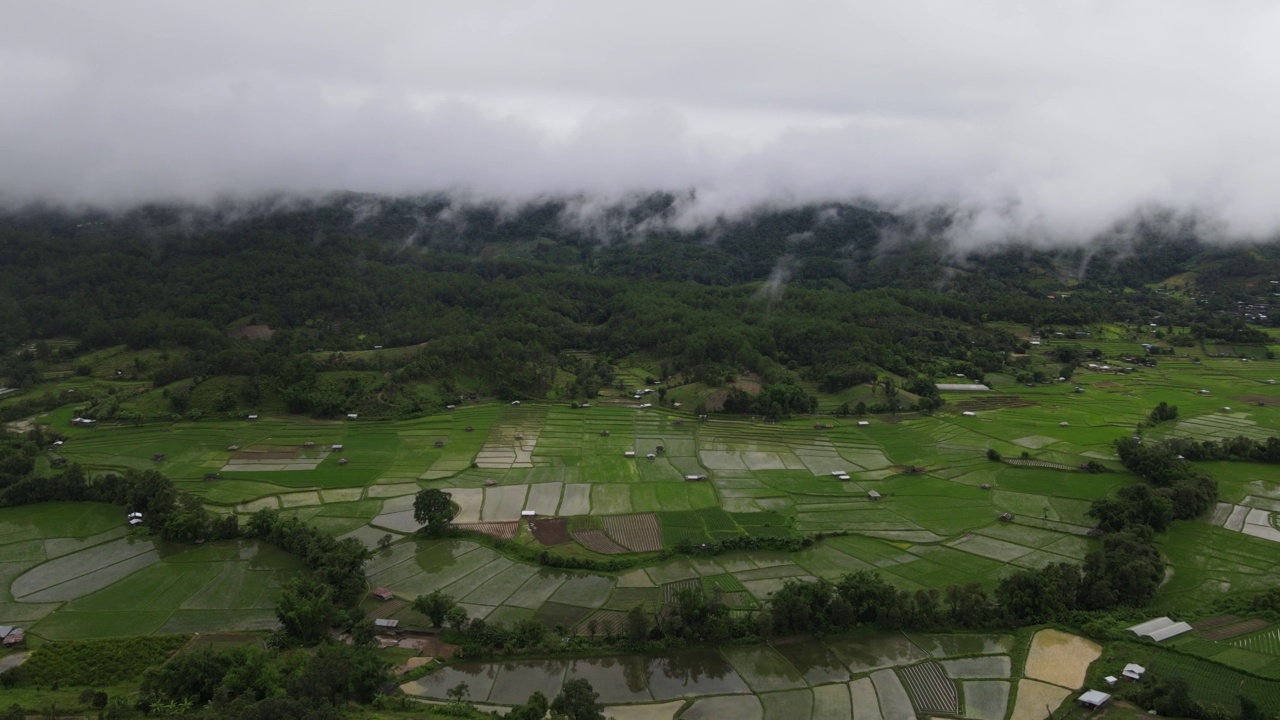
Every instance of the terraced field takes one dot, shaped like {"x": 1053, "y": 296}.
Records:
{"x": 936, "y": 522}
{"x": 887, "y": 676}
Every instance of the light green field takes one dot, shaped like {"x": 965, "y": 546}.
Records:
{"x": 76, "y": 570}
{"x": 936, "y": 524}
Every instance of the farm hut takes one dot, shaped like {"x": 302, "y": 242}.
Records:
{"x": 439, "y": 443}
{"x": 528, "y": 513}
{"x": 842, "y": 477}
{"x": 15, "y": 637}
{"x": 515, "y": 402}
{"x": 352, "y": 416}
{"x": 383, "y": 593}
{"x": 253, "y": 417}
{"x": 469, "y": 428}
{"x": 837, "y": 473}
{"x": 158, "y": 457}
{"x": 308, "y": 444}
{"x": 604, "y": 433}
{"x": 342, "y": 461}
{"x": 629, "y": 453}
{"x": 1271, "y": 382}
{"x": 519, "y": 436}
{"x": 694, "y": 478}
{"x": 450, "y": 407}
{"x": 645, "y": 406}
{"x": 1226, "y": 408}
{"x": 1111, "y": 680}
{"x": 585, "y": 405}
{"x": 985, "y": 486}
{"x": 233, "y": 448}
{"x": 1063, "y": 424}
{"x": 652, "y": 456}
{"x": 490, "y": 482}
{"x": 386, "y": 623}
{"x": 863, "y": 423}
{"x": 703, "y": 418}
{"x": 1133, "y": 671}
{"x": 675, "y": 405}
{"x": 873, "y": 495}
{"x": 1007, "y": 517}
{"x": 1202, "y": 392}
{"x": 57, "y": 443}
{"x": 335, "y": 448}
{"x": 1094, "y": 699}
{"x": 969, "y": 413}
{"x": 213, "y": 476}
{"x": 1078, "y": 390}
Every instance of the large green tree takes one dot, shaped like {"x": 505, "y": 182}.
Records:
{"x": 433, "y": 508}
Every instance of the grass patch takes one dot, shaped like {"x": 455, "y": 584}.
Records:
{"x": 98, "y": 662}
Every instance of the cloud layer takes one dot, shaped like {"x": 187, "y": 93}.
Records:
{"x": 1045, "y": 119}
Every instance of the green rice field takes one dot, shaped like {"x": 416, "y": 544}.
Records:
{"x": 68, "y": 569}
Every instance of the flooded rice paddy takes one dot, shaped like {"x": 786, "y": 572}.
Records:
{"x": 817, "y": 679}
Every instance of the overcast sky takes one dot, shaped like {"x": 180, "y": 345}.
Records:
{"x": 1041, "y": 116}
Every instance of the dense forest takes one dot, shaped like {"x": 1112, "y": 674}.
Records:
{"x": 495, "y": 299}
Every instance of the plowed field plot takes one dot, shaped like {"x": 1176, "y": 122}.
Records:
{"x": 1214, "y": 622}
{"x": 604, "y": 622}
{"x": 638, "y": 533}
{"x": 930, "y": 689}
{"x": 550, "y": 531}
{"x": 388, "y": 608}
{"x": 555, "y": 615}
{"x": 1234, "y": 629}
{"x": 671, "y": 591}
{"x": 500, "y": 530}
{"x": 596, "y": 540}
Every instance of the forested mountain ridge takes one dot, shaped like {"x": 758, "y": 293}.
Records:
{"x": 496, "y": 294}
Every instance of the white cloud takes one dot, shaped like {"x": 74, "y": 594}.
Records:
{"x": 1049, "y": 118}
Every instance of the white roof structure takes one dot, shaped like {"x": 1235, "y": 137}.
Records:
{"x": 962, "y": 387}
{"x": 352, "y": 416}
{"x": 969, "y": 413}
{"x": 253, "y": 417}
{"x": 528, "y": 513}
{"x": 863, "y": 423}
{"x": 134, "y": 515}
{"x": 629, "y": 453}
{"x": 1133, "y": 671}
{"x": 386, "y": 622}
{"x": 1095, "y": 698}
{"x": 873, "y": 495}
{"x": 1111, "y": 679}
{"x": 1160, "y": 629}
{"x": 515, "y": 402}
{"x": 335, "y": 447}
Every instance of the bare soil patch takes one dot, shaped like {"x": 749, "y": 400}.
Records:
{"x": 1258, "y": 399}
{"x": 550, "y": 531}
{"x": 1060, "y": 658}
{"x": 1213, "y": 622}
{"x": 505, "y": 530}
{"x": 428, "y": 645}
{"x": 596, "y": 540}
{"x": 1034, "y": 697}
{"x": 993, "y": 402}
{"x": 1234, "y": 629}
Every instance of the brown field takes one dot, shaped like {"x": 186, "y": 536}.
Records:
{"x": 638, "y": 533}
{"x": 1258, "y": 399}
{"x": 596, "y": 540}
{"x": 550, "y": 531}
{"x": 502, "y": 530}
{"x": 264, "y": 455}
{"x": 251, "y": 332}
{"x": 1213, "y": 622}
{"x": 1229, "y": 631}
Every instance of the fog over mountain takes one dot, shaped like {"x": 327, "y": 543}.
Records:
{"x": 1042, "y": 121}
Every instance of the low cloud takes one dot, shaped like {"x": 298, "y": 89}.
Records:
{"x": 1047, "y": 122}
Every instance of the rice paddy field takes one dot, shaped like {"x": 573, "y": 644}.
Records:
{"x": 619, "y": 480}
{"x": 888, "y": 676}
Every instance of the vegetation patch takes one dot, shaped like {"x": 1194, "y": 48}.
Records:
{"x": 98, "y": 662}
